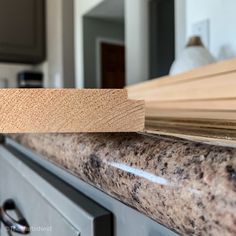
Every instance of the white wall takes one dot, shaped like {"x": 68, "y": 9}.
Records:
{"x": 95, "y": 29}
{"x": 59, "y": 68}
{"x": 81, "y": 7}
{"x": 180, "y": 26}
{"x": 137, "y": 40}
{"x": 222, "y": 16}
{"x": 52, "y": 68}
{"x": 9, "y": 71}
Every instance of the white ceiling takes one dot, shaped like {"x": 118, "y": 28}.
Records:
{"x": 108, "y": 9}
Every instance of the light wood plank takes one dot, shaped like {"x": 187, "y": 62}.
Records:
{"x": 199, "y": 103}
{"x": 69, "y": 110}
{"x": 219, "y": 68}
{"x": 206, "y": 105}
{"x": 217, "y": 87}
{"x": 193, "y": 114}
{"x": 212, "y": 140}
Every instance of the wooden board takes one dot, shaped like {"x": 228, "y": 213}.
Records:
{"x": 69, "y": 110}
{"x": 217, "y": 132}
{"x": 196, "y": 105}
{"x": 215, "y": 87}
{"x": 220, "y": 141}
{"x": 200, "y": 103}
{"x": 219, "y": 68}
{"x": 193, "y": 114}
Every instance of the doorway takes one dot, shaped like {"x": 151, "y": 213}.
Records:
{"x": 111, "y": 64}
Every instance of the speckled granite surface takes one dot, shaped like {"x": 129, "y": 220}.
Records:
{"x": 187, "y": 186}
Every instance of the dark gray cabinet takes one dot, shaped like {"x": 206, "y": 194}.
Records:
{"x": 48, "y": 205}
{"x": 22, "y": 31}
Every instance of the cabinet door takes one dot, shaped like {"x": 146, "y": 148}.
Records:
{"x": 49, "y": 205}
{"x": 43, "y": 219}
{"x": 22, "y": 31}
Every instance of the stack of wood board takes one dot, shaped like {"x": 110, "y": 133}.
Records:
{"x": 201, "y": 102}
{"x": 69, "y": 110}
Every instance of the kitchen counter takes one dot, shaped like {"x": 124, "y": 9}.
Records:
{"x": 184, "y": 185}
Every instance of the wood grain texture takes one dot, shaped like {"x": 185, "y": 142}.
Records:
{"x": 212, "y": 140}
{"x": 220, "y": 86}
{"x": 216, "y": 69}
{"x": 69, "y": 110}
{"x": 200, "y": 103}
{"x": 203, "y": 105}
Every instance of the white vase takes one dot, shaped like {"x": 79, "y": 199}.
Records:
{"x": 193, "y": 56}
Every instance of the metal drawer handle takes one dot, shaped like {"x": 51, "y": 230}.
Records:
{"x": 19, "y": 226}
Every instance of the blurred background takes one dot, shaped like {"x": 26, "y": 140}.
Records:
{"x": 106, "y": 43}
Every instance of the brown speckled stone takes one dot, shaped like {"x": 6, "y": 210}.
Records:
{"x": 187, "y": 186}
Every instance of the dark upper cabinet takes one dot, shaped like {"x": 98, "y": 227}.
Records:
{"x": 22, "y": 31}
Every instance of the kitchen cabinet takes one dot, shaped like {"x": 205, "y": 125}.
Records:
{"x": 22, "y": 31}
{"x": 49, "y": 196}
{"x": 48, "y": 205}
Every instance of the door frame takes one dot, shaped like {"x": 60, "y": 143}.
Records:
{"x": 99, "y": 41}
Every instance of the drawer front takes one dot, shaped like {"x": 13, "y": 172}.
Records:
{"x": 41, "y": 216}
{"x": 50, "y": 206}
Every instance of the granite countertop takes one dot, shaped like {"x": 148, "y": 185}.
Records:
{"x": 184, "y": 185}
